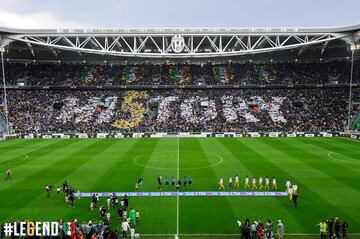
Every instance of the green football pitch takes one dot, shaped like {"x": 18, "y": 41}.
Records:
{"x": 326, "y": 170}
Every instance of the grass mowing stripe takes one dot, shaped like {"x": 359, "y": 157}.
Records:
{"x": 122, "y": 170}
{"x": 344, "y": 160}
{"x": 119, "y": 174}
{"x": 333, "y": 145}
{"x": 321, "y": 163}
{"x": 163, "y": 214}
{"x": 97, "y": 167}
{"x": 313, "y": 205}
{"x": 23, "y": 182}
{"x": 322, "y": 202}
{"x": 16, "y": 145}
{"x": 29, "y": 146}
{"x": 251, "y": 159}
{"x": 336, "y": 156}
{"x": 326, "y": 197}
{"x": 349, "y": 141}
{"x": 18, "y": 159}
{"x": 202, "y": 209}
{"x": 56, "y": 171}
{"x": 25, "y": 170}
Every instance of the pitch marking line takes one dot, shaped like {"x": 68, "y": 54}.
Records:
{"x": 178, "y": 178}
{"x": 23, "y": 159}
{"x": 355, "y": 162}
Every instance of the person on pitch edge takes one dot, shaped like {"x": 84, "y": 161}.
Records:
{"x": 287, "y": 185}
{"x": 126, "y": 201}
{"x": 267, "y": 183}
{"x": 173, "y": 181}
{"x": 253, "y": 186}
{"x": 139, "y": 183}
{"x": 330, "y": 223}
{"x": 159, "y": 181}
{"x": 221, "y": 184}
{"x": 246, "y": 183}
{"x": 8, "y": 175}
{"x": 189, "y": 182}
{"x": 274, "y": 185}
{"x": 280, "y": 229}
{"x": 337, "y": 227}
{"x": 48, "y": 190}
{"x": 230, "y": 183}
{"x": 185, "y": 182}
{"x": 236, "y": 184}
{"x": 295, "y": 198}
{"x": 261, "y": 183}
{"x": 178, "y": 185}
{"x": 166, "y": 181}
{"x": 344, "y": 228}
{"x": 323, "y": 229}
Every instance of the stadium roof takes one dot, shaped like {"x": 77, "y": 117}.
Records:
{"x": 194, "y": 44}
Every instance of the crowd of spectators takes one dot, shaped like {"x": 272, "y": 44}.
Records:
{"x": 260, "y": 230}
{"x": 56, "y": 74}
{"x": 213, "y": 110}
{"x": 84, "y": 230}
{"x": 335, "y": 228}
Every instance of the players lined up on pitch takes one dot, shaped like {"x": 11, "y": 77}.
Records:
{"x": 186, "y": 182}
{"x": 255, "y": 184}
{"x": 260, "y": 185}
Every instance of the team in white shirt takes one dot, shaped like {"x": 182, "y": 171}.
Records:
{"x": 290, "y": 189}
{"x": 257, "y": 184}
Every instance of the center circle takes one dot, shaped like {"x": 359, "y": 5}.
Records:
{"x": 167, "y": 160}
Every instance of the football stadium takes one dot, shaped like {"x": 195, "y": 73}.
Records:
{"x": 181, "y": 132}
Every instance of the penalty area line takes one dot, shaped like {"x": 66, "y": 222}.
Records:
{"x": 351, "y": 161}
{"x": 13, "y": 158}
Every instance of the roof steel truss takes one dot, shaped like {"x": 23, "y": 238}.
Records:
{"x": 160, "y": 45}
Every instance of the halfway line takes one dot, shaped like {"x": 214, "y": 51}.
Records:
{"x": 178, "y": 178}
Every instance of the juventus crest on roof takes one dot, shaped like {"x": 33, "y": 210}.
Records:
{"x": 177, "y": 43}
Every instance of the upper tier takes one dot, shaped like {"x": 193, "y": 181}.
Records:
{"x": 33, "y": 74}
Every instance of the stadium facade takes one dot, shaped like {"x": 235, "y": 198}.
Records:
{"x": 218, "y": 61}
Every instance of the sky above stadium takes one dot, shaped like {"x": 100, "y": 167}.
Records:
{"x": 180, "y": 13}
